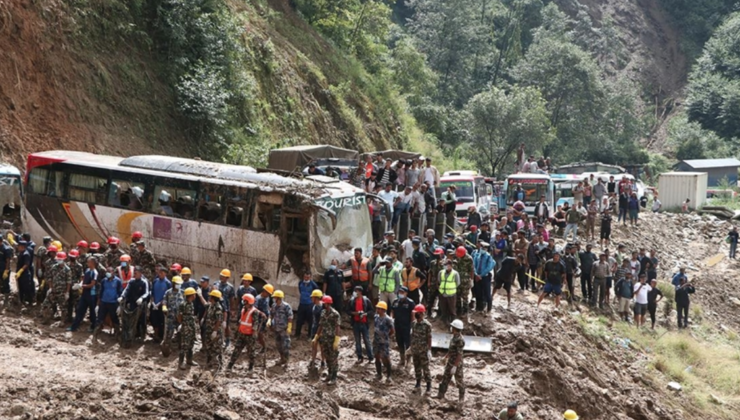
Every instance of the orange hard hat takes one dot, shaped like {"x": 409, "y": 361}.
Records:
{"x": 248, "y": 298}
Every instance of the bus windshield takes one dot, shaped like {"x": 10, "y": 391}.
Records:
{"x": 531, "y": 190}
{"x": 352, "y": 230}
{"x": 462, "y": 188}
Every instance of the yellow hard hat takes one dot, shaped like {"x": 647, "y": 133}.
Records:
{"x": 177, "y": 280}
{"x": 58, "y": 245}
{"x": 316, "y": 294}
{"x": 215, "y": 293}
{"x": 570, "y": 415}
{"x": 186, "y": 270}
{"x": 268, "y": 288}
{"x": 247, "y": 277}
{"x": 278, "y": 294}
{"x": 189, "y": 291}
{"x": 226, "y": 272}
{"x": 382, "y": 305}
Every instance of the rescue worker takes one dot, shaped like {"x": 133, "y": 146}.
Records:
{"x": 131, "y": 303}
{"x": 464, "y": 266}
{"x": 250, "y": 320}
{"x": 359, "y": 308}
{"x": 263, "y": 303}
{"x": 59, "y": 281}
{"x": 412, "y": 278}
{"x": 24, "y": 273}
{"x": 227, "y": 301}
{"x": 43, "y": 265}
{"x": 93, "y": 250}
{"x": 484, "y": 266}
{"x": 510, "y": 412}
{"x": 125, "y": 269}
{"x": 77, "y": 272}
{"x": 454, "y": 366}
{"x": 281, "y": 320}
{"x": 187, "y": 281}
{"x": 360, "y": 272}
{"x": 246, "y": 287}
{"x": 389, "y": 281}
{"x": 449, "y": 281}
{"x": 160, "y": 286}
{"x": 111, "y": 289}
{"x": 333, "y": 284}
{"x": 88, "y": 296}
{"x": 6, "y": 256}
{"x": 213, "y": 327}
{"x": 316, "y": 310}
{"x": 147, "y": 262}
{"x": 133, "y": 248}
{"x": 401, "y": 312}
{"x": 40, "y": 255}
{"x": 435, "y": 267}
{"x": 305, "y": 307}
{"x": 175, "y": 269}
{"x": 186, "y": 318}
{"x": 113, "y": 253}
{"x": 384, "y": 330}
{"x": 328, "y": 338}
{"x": 570, "y": 415}
{"x": 82, "y": 248}
{"x": 171, "y": 302}
{"x": 421, "y": 348}
{"x": 205, "y": 288}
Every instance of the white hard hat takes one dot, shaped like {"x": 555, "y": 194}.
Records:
{"x": 138, "y": 191}
{"x": 457, "y": 324}
{"x": 164, "y": 196}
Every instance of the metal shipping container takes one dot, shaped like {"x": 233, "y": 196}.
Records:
{"x": 675, "y": 187}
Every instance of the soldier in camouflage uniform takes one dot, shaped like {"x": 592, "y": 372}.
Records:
{"x": 421, "y": 348}
{"x": 435, "y": 267}
{"x": 40, "y": 255}
{"x": 464, "y": 266}
{"x": 113, "y": 253}
{"x": 59, "y": 280}
{"x": 251, "y": 320}
{"x": 213, "y": 328}
{"x": 384, "y": 330}
{"x": 47, "y": 260}
{"x": 281, "y": 318}
{"x": 133, "y": 249}
{"x": 171, "y": 302}
{"x": 146, "y": 260}
{"x": 77, "y": 272}
{"x": 186, "y": 318}
{"x": 454, "y": 366}
{"x": 328, "y": 336}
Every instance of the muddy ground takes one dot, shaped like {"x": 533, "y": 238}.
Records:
{"x": 541, "y": 358}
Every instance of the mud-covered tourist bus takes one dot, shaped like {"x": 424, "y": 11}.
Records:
{"x": 10, "y": 192}
{"x": 203, "y": 215}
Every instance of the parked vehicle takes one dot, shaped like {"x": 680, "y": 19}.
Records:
{"x": 470, "y": 189}
{"x": 533, "y": 186}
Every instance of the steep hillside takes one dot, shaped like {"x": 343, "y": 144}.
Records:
{"x": 103, "y": 76}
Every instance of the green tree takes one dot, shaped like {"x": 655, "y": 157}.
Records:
{"x": 714, "y": 84}
{"x": 689, "y": 140}
{"x": 497, "y": 122}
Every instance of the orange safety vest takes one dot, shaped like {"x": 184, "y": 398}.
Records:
{"x": 411, "y": 281}
{"x": 359, "y": 270}
{"x": 245, "y": 323}
{"x": 125, "y": 276}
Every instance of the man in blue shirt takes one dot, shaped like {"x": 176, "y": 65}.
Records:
{"x": 305, "y": 314}
{"x": 159, "y": 287}
{"x": 676, "y": 282}
{"x": 24, "y": 273}
{"x": 89, "y": 299}
{"x": 110, "y": 290}
{"x": 245, "y": 288}
{"x": 133, "y": 297}
{"x": 483, "y": 264}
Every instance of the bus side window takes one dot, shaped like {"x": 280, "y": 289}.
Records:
{"x": 174, "y": 202}
{"x": 267, "y": 212}
{"x": 87, "y": 188}
{"x": 37, "y": 181}
{"x": 127, "y": 194}
{"x": 209, "y": 204}
{"x": 236, "y": 203}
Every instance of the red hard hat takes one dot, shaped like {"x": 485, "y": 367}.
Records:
{"x": 439, "y": 251}
{"x": 176, "y": 267}
{"x": 248, "y": 298}
{"x": 94, "y": 246}
{"x": 420, "y": 308}
{"x": 461, "y": 251}
{"x": 61, "y": 256}
{"x": 136, "y": 235}
{"x": 73, "y": 253}
{"x": 327, "y": 299}
{"x": 52, "y": 248}
{"x": 113, "y": 240}
{"x": 82, "y": 244}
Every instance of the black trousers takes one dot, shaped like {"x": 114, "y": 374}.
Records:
{"x": 586, "y": 286}
{"x": 403, "y": 337}
{"x": 683, "y": 314}
{"x": 415, "y": 295}
{"x": 521, "y": 275}
{"x": 652, "y": 309}
{"x": 304, "y": 316}
{"x": 108, "y": 309}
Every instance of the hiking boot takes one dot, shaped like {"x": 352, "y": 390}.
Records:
{"x": 332, "y": 382}
{"x": 359, "y": 360}
{"x": 378, "y": 377}
{"x": 191, "y": 362}
{"x": 388, "y": 380}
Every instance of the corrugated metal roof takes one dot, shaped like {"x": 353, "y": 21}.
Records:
{"x": 712, "y": 163}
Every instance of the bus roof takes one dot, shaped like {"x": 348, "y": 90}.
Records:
{"x": 194, "y": 169}
{"x": 8, "y": 169}
{"x": 529, "y": 176}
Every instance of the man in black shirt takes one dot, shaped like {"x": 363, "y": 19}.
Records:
{"x": 611, "y": 186}
{"x": 682, "y": 302}
{"x": 571, "y": 265}
{"x": 505, "y": 276}
{"x": 733, "y": 237}
{"x": 587, "y": 259}
{"x": 554, "y": 277}
{"x": 654, "y": 296}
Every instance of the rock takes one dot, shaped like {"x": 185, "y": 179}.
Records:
{"x": 715, "y": 399}
{"x": 18, "y": 410}
{"x": 736, "y": 301}
{"x": 224, "y": 414}
{"x": 674, "y": 386}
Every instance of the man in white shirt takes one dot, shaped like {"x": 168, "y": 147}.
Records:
{"x": 657, "y": 205}
{"x": 404, "y": 204}
{"x": 527, "y": 165}
{"x": 407, "y": 246}
{"x": 390, "y": 197}
{"x": 431, "y": 176}
{"x": 641, "y": 300}
{"x": 418, "y": 202}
